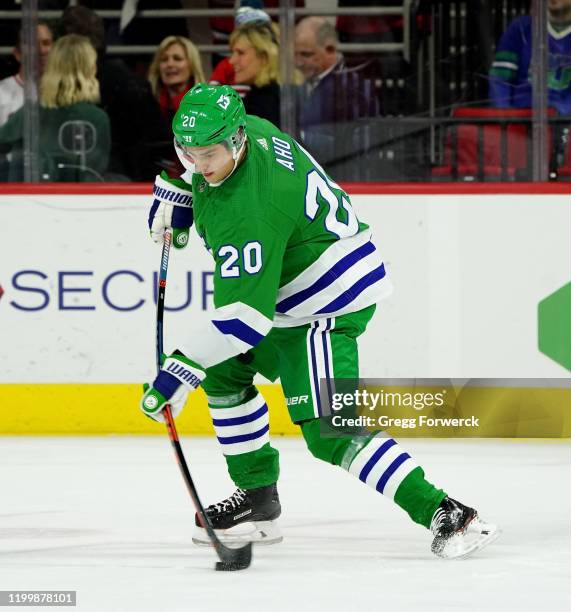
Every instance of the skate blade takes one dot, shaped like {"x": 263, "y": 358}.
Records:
{"x": 258, "y": 532}
{"x": 476, "y": 536}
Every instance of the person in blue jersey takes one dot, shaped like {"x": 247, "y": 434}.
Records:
{"x": 510, "y": 74}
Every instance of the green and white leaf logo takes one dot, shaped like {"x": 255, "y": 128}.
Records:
{"x": 151, "y": 402}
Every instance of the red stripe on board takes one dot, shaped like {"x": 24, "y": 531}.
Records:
{"x": 352, "y": 188}
{"x": 76, "y": 188}
{"x": 455, "y": 188}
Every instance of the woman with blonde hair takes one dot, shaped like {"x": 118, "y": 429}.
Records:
{"x": 255, "y": 59}
{"x": 74, "y": 136}
{"x": 175, "y": 68}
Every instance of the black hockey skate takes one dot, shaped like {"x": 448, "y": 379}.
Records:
{"x": 246, "y": 516}
{"x": 458, "y": 530}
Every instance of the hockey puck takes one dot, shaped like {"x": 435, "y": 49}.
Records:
{"x": 222, "y": 566}
{"x": 234, "y": 559}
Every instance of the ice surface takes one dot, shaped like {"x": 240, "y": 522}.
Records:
{"x": 110, "y": 518}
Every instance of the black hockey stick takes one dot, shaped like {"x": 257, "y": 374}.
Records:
{"x": 230, "y": 558}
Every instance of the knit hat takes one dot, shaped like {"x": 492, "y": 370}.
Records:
{"x": 248, "y": 15}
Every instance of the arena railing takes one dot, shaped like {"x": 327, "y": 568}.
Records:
{"x": 431, "y": 42}
{"x": 402, "y": 47}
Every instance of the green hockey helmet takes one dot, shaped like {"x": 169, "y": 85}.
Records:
{"x": 209, "y": 115}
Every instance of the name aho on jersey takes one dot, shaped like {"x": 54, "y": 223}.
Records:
{"x": 282, "y": 151}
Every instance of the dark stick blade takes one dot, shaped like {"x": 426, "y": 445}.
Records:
{"x": 235, "y": 559}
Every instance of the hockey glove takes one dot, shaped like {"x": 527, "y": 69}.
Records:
{"x": 177, "y": 378}
{"x": 171, "y": 208}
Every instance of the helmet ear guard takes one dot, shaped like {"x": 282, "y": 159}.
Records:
{"x": 237, "y": 141}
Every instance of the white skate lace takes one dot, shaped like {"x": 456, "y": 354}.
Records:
{"x": 231, "y": 503}
{"x": 437, "y": 521}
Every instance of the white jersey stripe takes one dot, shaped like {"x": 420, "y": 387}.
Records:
{"x": 326, "y": 326}
{"x": 314, "y": 303}
{"x": 312, "y": 389}
{"x": 331, "y": 369}
{"x": 320, "y": 364}
{"x": 343, "y": 268}
{"x": 326, "y": 261}
{"x": 213, "y": 346}
{"x": 374, "y": 292}
{"x": 313, "y": 369}
{"x": 321, "y": 373}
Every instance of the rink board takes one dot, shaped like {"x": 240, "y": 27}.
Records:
{"x": 110, "y": 409}
{"x": 77, "y": 313}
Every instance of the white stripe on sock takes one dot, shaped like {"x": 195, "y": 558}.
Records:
{"x": 227, "y": 431}
{"x": 363, "y": 456}
{"x": 245, "y": 409}
{"x": 239, "y": 448}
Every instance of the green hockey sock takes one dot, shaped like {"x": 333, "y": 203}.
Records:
{"x": 242, "y": 427}
{"x": 382, "y": 464}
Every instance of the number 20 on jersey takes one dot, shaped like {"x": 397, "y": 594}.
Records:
{"x": 250, "y": 256}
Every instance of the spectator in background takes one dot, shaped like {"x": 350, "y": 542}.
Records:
{"x": 318, "y": 60}
{"x": 255, "y": 59}
{"x": 140, "y": 138}
{"x": 332, "y": 94}
{"x": 316, "y": 54}
{"x": 12, "y": 87}
{"x": 510, "y": 81}
{"x": 223, "y": 73}
{"x": 222, "y": 27}
{"x": 175, "y": 68}
{"x": 69, "y": 92}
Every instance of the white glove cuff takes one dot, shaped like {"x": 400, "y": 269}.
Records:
{"x": 166, "y": 192}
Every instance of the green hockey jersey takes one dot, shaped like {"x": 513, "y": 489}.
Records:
{"x": 287, "y": 245}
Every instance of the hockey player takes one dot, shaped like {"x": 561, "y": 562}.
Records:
{"x": 296, "y": 280}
